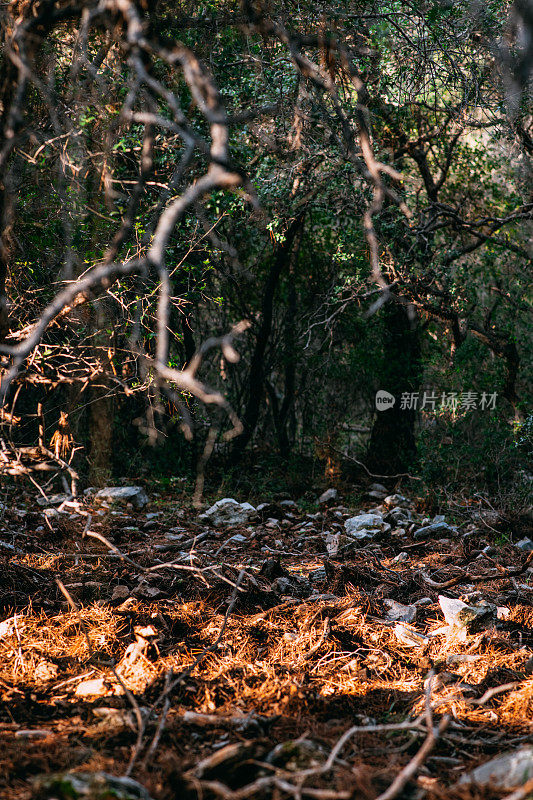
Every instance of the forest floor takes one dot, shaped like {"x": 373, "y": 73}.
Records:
{"x": 242, "y": 662}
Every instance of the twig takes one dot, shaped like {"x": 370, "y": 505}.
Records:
{"x": 416, "y": 762}
{"x": 490, "y": 693}
{"x": 318, "y": 645}
{"x": 372, "y": 474}
{"x": 502, "y": 572}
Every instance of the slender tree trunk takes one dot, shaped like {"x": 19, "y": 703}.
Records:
{"x": 256, "y": 378}
{"x": 392, "y": 447}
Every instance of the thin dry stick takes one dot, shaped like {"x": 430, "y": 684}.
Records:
{"x": 255, "y": 788}
{"x": 325, "y": 633}
{"x": 416, "y": 762}
{"x": 501, "y": 572}
{"x": 490, "y": 693}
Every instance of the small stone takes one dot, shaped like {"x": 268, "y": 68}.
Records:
{"x": 228, "y": 512}
{"x": 375, "y": 495}
{"x": 120, "y": 592}
{"x": 288, "y": 504}
{"x": 469, "y": 618}
{"x": 123, "y": 495}
{"x": 409, "y": 637}
{"x": 398, "y": 612}
{"x": 432, "y": 530}
{"x": 92, "y": 688}
{"x": 45, "y": 671}
{"x": 504, "y": 772}
{"x": 378, "y": 487}
{"x": 364, "y": 522}
{"x": 397, "y": 500}
{"x": 525, "y": 544}
{"x": 398, "y": 515}
{"x": 238, "y": 539}
{"x": 327, "y": 497}
{"x": 9, "y": 626}
{"x": 282, "y": 585}
{"x": 401, "y": 558}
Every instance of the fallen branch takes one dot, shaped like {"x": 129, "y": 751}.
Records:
{"x": 467, "y": 577}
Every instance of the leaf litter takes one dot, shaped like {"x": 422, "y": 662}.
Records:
{"x": 248, "y": 661}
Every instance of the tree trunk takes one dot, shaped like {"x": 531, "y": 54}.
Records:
{"x": 392, "y": 447}
{"x": 256, "y": 378}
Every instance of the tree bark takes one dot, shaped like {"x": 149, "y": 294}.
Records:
{"x": 256, "y": 377}
{"x": 392, "y": 447}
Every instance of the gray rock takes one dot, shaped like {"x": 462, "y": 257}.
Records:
{"x": 525, "y": 544}
{"x": 398, "y": 515}
{"x": 504, "y": 772}
{"x": 378, "y": 487}
{"x": 52, "y": 513}
{"x": 401, "y": 558}
{"x": 470, "y": 618}
{"x": 122, "y": 495}
{"x": 364, "y": 522}
{"x": 409, "y": 637}
{"x": 397, "y": 500}
{"x": 88, "y": 786}
{"x": 376, "y": 495}
{"x": 238, "y": 538}
{"x": 327, "y": 497}
{"x": 288, "y": 504}
{"x": 398, "y": 612}
{"x": 228, "y": 512}
{"x": 432, "y": 530}
{"x": 54, "y": 499}
{"x": 333, "y": 543}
